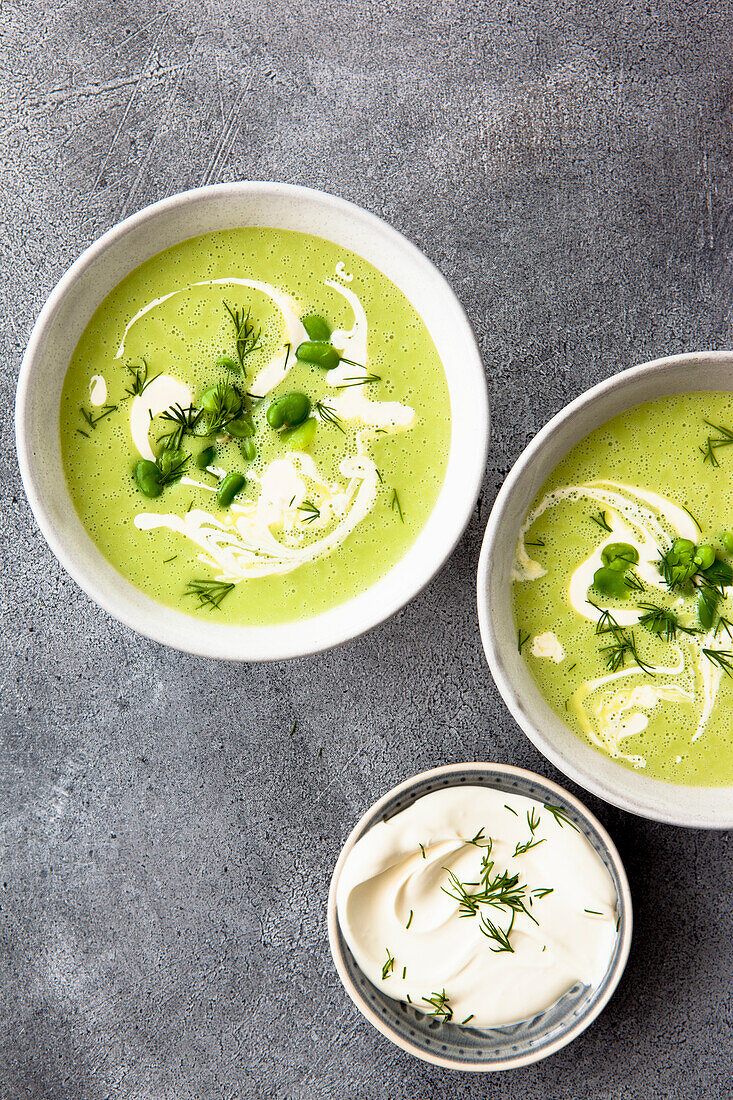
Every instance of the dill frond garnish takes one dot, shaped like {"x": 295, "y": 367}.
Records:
{"x": 600, "y": 519}
{"x": 722, "y": 658}
{"x": 209, "y": 593}
{"x": 312, "y": 513}
{"x": 724, "y": 438}
{"x": 185, "y": 421}
{"x": 499, "y": 935}
{"x": 662, "y": 621}
{"x": 93, "y": 420}
{"x": 561, "y": 816}
{"x": 533, "y": 823}
{"x": 140, "y": 379}
{"x": 328, "y": 416}
{"x": 623, "y": 646}
{"x": 248, "y": 338}
{"x": 440, "y": 1005}
{"x": 395, "y": 504}
{"x": 362, "y": 381}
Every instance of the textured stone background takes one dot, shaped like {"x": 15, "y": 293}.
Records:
{"x": 166, "y": 845}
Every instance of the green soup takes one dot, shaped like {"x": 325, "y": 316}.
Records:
{"x": 276, "y": 356}
{"x": 622, "y": 584}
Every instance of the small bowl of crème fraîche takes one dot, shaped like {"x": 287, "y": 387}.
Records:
{"x": 479, "y": 917}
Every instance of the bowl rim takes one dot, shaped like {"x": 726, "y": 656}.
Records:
{"x": 302, "y": 642}
{"x": 585, "y": 778}
{"x": 610, "y": 982}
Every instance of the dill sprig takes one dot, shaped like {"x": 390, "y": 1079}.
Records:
{"x": 175, "y": 470}
{"x": 533, "y": 823}
{"x": 209, "y": 593}
{"x": 600, "y": 519}
{"x": 632, "y": 581}
{"x": 361, "y": 381}
{"x": 722, "y": 658}
{"x": 248, "y": 338}
{"x": 185, "y": 421}
{"x": 480, "y": 841}
{"x": 501, "y": 890}
{"x": 312, "y": 513}
{"x": 388, "y": 967}
{"x": 440, "y": 1005}
{"x": 726, "y": 625}
{"x": 561, "y": 816}
{"x": 328, "y": 416}
{"x": 140, "y": 379}
{"x": 622, "y": 648}
{"x": 663, "y": 621}
{"x": 223, "y": 409}
{"x": 93, "y": 420}
{"x": 724, "y": 438}
{"x": 395, "y": 504}
{"x": 499, "y": 935}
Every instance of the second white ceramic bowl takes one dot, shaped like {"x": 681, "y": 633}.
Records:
{"x": 120, "y": 251}
{"x": 709, "y": 807}
{"x": 466, "y": 1048}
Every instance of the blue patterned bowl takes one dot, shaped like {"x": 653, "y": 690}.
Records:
{"x": 465, "y": 1048}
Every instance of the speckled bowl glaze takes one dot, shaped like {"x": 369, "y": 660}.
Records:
{"x": 466, "y": 1048}
{"x": 120, "y": 251}
{"x": 706, "y": 807}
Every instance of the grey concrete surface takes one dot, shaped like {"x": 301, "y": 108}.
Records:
{"x": 166, "y": 845}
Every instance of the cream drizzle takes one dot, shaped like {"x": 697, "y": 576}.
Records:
{"x": 157, "y": 396}
{"x": 241, "y": 544}
{"x": 651, "y": 530}
{"x": 97, "y": 390}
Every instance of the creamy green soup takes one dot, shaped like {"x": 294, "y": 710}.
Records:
{"x": 622, "y": 589}
{"x": 255, "y": 424}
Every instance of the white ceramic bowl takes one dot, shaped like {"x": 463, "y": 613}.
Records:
{"x": 103, "y": 265}
{"x": 482, "y": 1050}
{"x": 709, "y": 807}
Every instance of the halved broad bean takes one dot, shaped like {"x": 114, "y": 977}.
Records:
{"x": 684, "y": 548}
{"x": 610, "y": 582}
{"x": 206, "y": 457}
{"x": 168, "y": 459}
{"x": 289, "y": 410}
{"x": 240, "y": 428}
{"x": 316, "y": 327}
{"x": 225, "y": 362}
{"x": 220, "y": 397}
{"x": 147, "y": 477}
{"x": 704, "y": 556}
{"x": 707, "y": 607}
{"x": 232, "y": 484}
{"x": 619, "y": 552}
{"x": 321, "y": 355}
{"x": 248, "y": 449}
{"x": 300, "y": 438}
{"x": 727, "y": 540}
